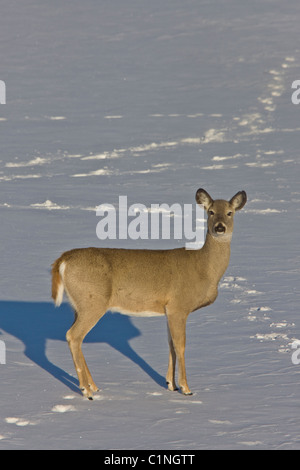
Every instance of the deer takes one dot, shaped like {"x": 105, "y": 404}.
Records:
{"x": 142, "y": 282}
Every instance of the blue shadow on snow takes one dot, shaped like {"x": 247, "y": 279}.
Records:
{"x": 35, "y": 323}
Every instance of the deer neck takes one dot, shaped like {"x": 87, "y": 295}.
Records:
{"x": 215, "y": 254}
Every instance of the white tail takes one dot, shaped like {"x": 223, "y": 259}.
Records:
{"x": 58, "y": 283}
{"x": 146, "y": 282}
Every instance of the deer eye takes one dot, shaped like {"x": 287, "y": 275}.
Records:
{"x": 229, "y": 213}
{"x": 211, "y": 212}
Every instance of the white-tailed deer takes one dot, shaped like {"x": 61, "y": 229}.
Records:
{"x": 146, "y": 282}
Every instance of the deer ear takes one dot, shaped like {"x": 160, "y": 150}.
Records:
{"x": 239, "y": 200}
{"x": 202, "y": 197}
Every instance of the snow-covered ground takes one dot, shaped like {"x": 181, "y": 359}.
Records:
{"x": 151, "y": 100}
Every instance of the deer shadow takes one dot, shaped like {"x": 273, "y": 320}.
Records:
{"x": 36, "y": 322}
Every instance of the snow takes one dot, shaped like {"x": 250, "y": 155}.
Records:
{"x": 151, "y": 100}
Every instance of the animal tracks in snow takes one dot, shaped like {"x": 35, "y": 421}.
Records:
{"x": 214, "y": 128}
{"x": 280, "y": 330}
{"x": 20, "y": 421}
{"x": 63, "y": 408}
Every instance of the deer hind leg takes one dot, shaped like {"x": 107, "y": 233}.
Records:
{"x": 84, "y": 322}
{"x": 177, "y": 325}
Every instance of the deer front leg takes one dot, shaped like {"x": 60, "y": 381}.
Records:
{"x": 177, "y": 325}
{"x": 170, "y": 377}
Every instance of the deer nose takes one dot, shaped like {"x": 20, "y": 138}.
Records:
{"x": 220, "y": 228}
